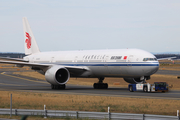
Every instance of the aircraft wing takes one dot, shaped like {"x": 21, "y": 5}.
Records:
{"x": 168, "y": 58}
{"x": 26, "y": 64}
{"x": 13, "y": 59}
{"x": 72, "y": 69}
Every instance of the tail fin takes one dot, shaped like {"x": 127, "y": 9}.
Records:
{"x": 31, "y": 46}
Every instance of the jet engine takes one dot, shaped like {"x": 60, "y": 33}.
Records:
{"x": 133, "y": 80}
{"x": 57, "y": 75}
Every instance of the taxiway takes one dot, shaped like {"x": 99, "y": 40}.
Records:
{"x": 12, "y": 82}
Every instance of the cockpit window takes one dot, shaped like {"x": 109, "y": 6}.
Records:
{"x": 149, "y": 59}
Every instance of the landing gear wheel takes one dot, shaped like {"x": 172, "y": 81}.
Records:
{"x": 131, "y": 89}
{"x": 145, "y": 89}
{"x": 95, "y": 85}
{"x": 52, "y": 86}
{"x": 100, "y": 86}
{"x": 106, "y": 86}
{"x": 62, "y": 87}
{"x": 56, "y": 87}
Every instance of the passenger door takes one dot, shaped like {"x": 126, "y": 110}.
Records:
{"x": 130, "y": 60}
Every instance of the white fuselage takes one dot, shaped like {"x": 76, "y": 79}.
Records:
{"x": 102, "y": 63}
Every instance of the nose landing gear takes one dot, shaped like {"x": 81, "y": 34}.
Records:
{"x": 100, "y": 84}
{"x": 146, "y": 78}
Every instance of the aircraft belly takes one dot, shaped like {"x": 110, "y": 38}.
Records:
{"x": 141, "y": 70}
{"x": 135, "y": 71}
{"x": 118, "y": 70}
{"x": 126, "y": 71}
{"x": 99, "y": 71}
{"x": 131, "y": 71}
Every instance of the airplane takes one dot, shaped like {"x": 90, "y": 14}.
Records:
{"x": 134, "y": 65}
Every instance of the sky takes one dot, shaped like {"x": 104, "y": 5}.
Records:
{"x": 61, "y": 25}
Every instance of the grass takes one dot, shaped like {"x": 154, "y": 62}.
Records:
{"x": 40, "y": 118}
{"x": 28, "y": 100}
{"x": 168, "y": 65}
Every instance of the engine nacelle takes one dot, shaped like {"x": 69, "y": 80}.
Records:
{"x": 57, "y": 75}
{"x": 133, "y": 80}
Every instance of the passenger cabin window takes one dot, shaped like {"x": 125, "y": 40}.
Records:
{"x": 149, "y": 59}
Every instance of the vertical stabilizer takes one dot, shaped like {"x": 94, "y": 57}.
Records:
{"x": 31, "y": 46}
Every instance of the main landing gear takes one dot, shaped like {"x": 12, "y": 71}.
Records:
{"x": 100, "y": 84}
{"x": 144, "y": 81}
{"x": 58, "y": 87}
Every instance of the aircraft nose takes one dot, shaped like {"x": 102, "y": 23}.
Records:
{"x": 153, "y": 68}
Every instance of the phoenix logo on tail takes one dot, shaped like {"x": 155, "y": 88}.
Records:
{"x": 28, "y": 40}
